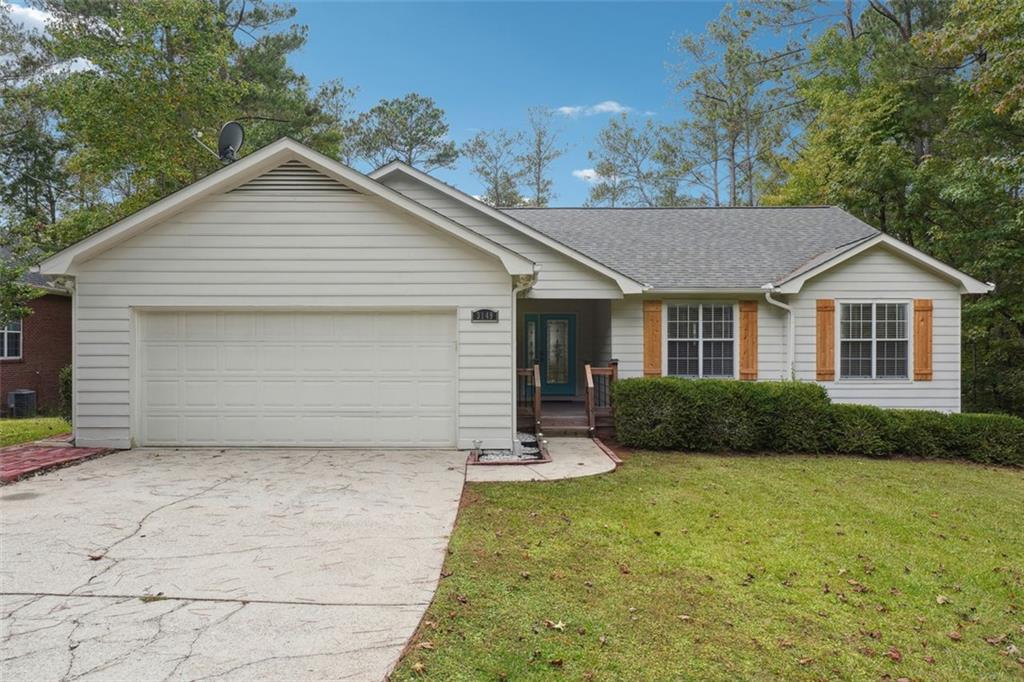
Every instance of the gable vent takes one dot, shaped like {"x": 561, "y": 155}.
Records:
{"x": 292, "y": 177}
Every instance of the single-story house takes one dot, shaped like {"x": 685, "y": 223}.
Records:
{"x": 34, "y": 349}
{"x": 289, "y": 300}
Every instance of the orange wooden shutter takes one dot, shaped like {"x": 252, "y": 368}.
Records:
{"x": 748, "y": 340}
{"x": 826, "y": 339}
{"x": 922, "y": 339}
{"x": 652, "y": 338}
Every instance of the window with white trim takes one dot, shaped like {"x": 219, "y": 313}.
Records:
{"x": 701, "y": 340}
{"x": 10, "y": 341}
{"x": 874, "y": 341}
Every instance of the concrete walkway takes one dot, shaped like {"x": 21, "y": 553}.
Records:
{"x": 230, "y": 564}
{"x": 570, "y": 458}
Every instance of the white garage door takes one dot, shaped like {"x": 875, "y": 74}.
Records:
{"x": 297, "y": 378}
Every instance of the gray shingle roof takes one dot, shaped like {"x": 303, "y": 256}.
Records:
{"x": 701, "y": 248}
{"x": 33, "y": 278}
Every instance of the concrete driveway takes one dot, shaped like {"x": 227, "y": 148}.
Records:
{"x": 228, "y": 564}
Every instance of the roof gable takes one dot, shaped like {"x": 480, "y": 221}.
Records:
{"x": 794, "y": 281}
{"x": 627, "y": 284}
{"x": 274, "y": 159}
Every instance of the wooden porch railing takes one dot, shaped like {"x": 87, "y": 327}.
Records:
{"x": 528, "y": 396}
{"x": 599, "y": 393}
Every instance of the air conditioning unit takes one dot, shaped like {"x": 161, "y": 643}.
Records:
{"x": 21, "y": 403}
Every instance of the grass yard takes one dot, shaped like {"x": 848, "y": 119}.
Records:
{"x": 716, "y": 567}
{"x": 13, "y": 431}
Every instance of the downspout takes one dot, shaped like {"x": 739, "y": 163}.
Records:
{"x": 520, "y": 283}
{"x": 790, "y": 328}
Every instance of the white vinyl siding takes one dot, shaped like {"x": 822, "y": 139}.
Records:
{"x": 880, "y": 275}
{"x": 316, "y": 251}
{"x": 560, "y": 276}
{"x": 628, "y": 335}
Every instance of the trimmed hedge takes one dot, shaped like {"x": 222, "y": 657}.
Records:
{"x": 669, "y": 413}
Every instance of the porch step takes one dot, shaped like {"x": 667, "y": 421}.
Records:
{"x": 564, "y": 421}
{"x": 567, "y": 431}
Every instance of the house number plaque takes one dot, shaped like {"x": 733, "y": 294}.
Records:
{"x": 485, "y": 315}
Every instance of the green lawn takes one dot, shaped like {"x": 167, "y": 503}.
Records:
{"x": 14, "y": 431}
{"x": 716, "y": 567}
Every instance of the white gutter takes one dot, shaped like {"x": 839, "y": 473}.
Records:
{"x": 790, "y": 328}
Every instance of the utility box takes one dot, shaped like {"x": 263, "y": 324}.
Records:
{"x": 21, "y": 403}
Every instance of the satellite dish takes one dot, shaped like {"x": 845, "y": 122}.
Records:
{"x": 230, "y": 141}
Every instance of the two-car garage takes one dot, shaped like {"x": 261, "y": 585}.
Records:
{"x": 290, "y": 378}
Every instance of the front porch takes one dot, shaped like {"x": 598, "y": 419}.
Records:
{"x": 565, "y": 369}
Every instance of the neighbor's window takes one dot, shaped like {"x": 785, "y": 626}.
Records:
{"x": 10, "y": 340}
{"x": 700, "y": 340}
{"x": 873, "y": 341}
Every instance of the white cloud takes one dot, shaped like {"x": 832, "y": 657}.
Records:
{"x": 587, "y": 175}
{"x": 29, "y": 17}
{"x": 37, "y": 20}
{"x": 608, "y": 106}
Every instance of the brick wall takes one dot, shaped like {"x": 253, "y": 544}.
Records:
{"x": 46, "y": 348}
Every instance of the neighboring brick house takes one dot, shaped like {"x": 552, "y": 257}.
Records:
{"x": 34, "y": 349}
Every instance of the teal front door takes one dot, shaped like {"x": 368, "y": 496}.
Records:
{"x": 551, "y": 343}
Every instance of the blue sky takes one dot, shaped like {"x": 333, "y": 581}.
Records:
{"x": 486, "y": 63}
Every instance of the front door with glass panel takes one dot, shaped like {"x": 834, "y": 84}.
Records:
{"x": 551, "y": 342}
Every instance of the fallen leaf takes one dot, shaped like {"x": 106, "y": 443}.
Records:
{"x": 942, "y": 599}
{"x": 894, "y": 654}
{"x": 996, "y": 640}
{"x": 525, "y": 575}
{"x": 429, "y": 646}
{"x": 418, "y": 667}
{"x": 462, "y": 599}
{"x": 806, "y": 661}
{"x": 555, "y": 663}
{"x": 603, "y": 640}
{"x": 684, "y": 617}
{"x": 930, "y": 660}
{"x": 955, "y": 636}
{"x": 95, "y": 557}
{"x": 623, "y": 569}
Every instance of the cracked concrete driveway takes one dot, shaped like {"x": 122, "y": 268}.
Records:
{"x": 227, "y": 564}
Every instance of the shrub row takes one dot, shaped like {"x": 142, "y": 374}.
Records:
{"x": 786, "y": 416}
